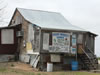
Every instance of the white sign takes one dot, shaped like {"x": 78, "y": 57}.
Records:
{"x": 73, "y": 49}
{"x": 60, "y": 42}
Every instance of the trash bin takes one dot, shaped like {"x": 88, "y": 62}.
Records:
{"x": 74, "y": 65}
{"x": 49, "y": 67}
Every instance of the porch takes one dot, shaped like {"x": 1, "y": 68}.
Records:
{"x": 62, "y": 47}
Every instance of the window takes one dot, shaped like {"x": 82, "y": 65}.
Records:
{"x": 80, "y": 39}
{"x": 18, "y": 20}
{"x": 7, "y": 36}
{"x": 36, "y": 41}
{"x": 46, "y": 41}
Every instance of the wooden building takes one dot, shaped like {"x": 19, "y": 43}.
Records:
{"x": 49, "y": 38}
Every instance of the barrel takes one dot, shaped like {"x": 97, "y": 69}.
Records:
{"x": 49, "y": 67}
{"x": 74, "y": 65}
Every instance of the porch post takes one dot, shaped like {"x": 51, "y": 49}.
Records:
{"x": 40, "y": 48}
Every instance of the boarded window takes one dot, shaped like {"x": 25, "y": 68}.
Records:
{"x": 46, "y": 41}
{"x": 7, "y": 36}
{"x": 80, "y": 39}
{"x": 55, "y": 58}
{"x": 36, "y": 41}
{"x": 18, "y": 20}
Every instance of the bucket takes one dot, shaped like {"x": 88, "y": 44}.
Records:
{"x": 49, "y": 67}
{"x": 74, "y": 65}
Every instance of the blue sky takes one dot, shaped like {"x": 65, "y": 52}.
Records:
{"x": 82, "y": 13}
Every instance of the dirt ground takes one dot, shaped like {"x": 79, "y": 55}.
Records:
{"x": 17, "y": 65}
{"x": 16, "y": 68}
{"x": 19, "y": 68}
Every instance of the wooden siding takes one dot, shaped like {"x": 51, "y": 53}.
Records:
{"x": 24, "y": 27}
{"x": 9, "y": 48}
{"x": 90, "y": 41}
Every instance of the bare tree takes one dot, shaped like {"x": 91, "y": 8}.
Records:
{"x": 2, "y": 11}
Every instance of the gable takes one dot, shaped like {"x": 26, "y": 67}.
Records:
{"x": 17, "y": 18}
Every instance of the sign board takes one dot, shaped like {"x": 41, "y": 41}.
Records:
{"x": 60, "y": 42}
{"x": 73, "y": 49}
{"x": 29, "y": 48}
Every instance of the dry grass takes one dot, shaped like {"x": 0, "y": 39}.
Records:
{"x": 13, "y": 68}
{"x": 17, "y": 72}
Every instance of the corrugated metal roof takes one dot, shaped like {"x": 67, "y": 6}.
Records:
{"x": 45, "y": 19}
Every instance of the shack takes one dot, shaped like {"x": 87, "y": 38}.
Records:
{"x": 49, "y": 38}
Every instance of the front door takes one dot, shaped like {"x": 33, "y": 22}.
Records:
{"x": 80, "y": 43}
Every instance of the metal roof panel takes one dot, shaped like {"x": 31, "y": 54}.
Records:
{"x": 45, "y": 19}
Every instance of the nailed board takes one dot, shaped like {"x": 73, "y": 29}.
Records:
{"x": 55, "y": 58}
{"x": 45, "y": 41}
{"x": 7, "y": 36}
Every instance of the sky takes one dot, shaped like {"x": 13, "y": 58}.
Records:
{"x": 82, "y": 13}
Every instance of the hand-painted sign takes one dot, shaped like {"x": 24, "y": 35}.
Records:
{"x": 29, "y": 48}
{"x": 60, "y": 42}
{"x": 73, "y": 49}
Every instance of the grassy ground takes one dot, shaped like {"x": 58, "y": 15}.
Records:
{"x": 6, "y": 71}
{"x": 13, "y": 68}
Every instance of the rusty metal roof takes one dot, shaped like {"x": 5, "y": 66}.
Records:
{"x": 45, "y": 19}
